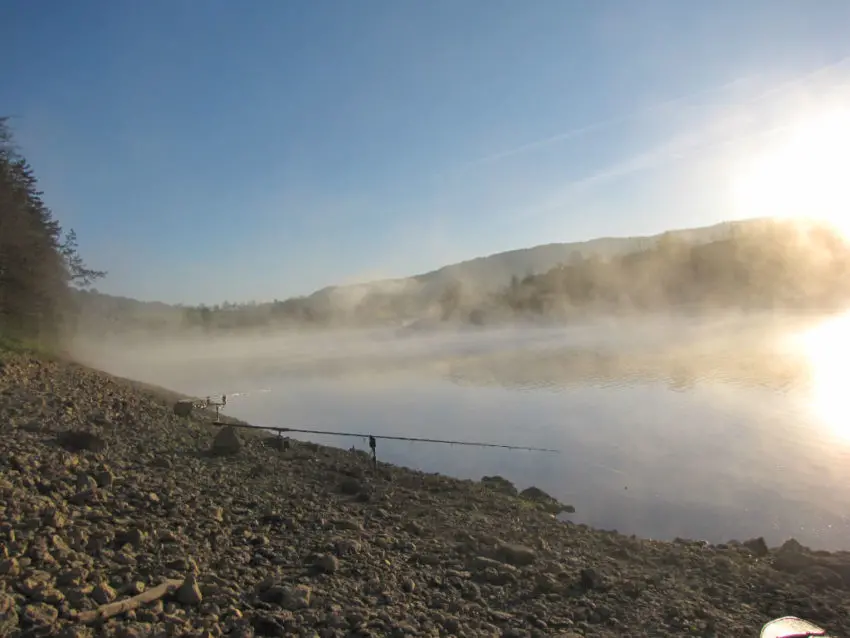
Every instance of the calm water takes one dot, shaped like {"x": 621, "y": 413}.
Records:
{"x": 712, "y": 429}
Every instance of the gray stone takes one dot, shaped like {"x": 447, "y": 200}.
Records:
{"x": 518, "y": 555}
{"x": 104, "y": 594}
{"x": 227, "y": 442}
{"x": 189, "y": 593}
{"x": 183, "y": 408}
{"x": 327, "y": 564}
{"x": 500, "y": 484}
{"x": 757, "y": 546}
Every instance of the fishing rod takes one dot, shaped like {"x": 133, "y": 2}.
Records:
{"x": 217, "y": 404}
{"x": 388, "y": 437}
{"x": 373, "y": 439}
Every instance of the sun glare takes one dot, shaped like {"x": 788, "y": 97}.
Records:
{"x": 826, "y": 347}
{"x": 803, "y": 173}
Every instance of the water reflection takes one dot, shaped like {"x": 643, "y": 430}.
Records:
{"x": 680, "y": 368}
{"x": 827, "y": 350}
{"x": 718, "y": 430}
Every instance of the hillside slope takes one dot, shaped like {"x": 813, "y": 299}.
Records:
{"x": 493, "y": 272}
{"x": 390, "y": 300}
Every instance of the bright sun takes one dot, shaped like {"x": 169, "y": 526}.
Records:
{"x": 804, "y": 173}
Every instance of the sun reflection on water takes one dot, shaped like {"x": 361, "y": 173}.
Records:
{"x": 826, "y": 348}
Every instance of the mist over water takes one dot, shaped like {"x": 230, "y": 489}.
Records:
{"x": 712, "y": 428}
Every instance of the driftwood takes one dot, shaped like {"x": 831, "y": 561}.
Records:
{"x": 122, "y": 606}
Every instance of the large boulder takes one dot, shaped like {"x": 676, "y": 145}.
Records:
{"x": 757, "y": 546}
{"x": 516, "y": 555}
{"x": 819, "y": 569}
{"x": 183, "y": 408}
{"x": 227, "y": 442}
{"x": 546, "y": 502}
{"x": 500, "y": 484}
{"x": 535, "y": 494}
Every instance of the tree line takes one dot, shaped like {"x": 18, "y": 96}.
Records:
{"x": 760, "y": 265}
{"x": 753, "y": 265}
{"x": 40, "y": 262}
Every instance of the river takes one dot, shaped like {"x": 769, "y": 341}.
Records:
{"x": 710, "y": 428}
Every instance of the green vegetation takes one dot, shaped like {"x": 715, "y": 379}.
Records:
{"x": 39, "y": 262}
{"x": 764, "y": 265}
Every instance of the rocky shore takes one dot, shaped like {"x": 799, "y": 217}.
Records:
{"x": 119, "y": 517}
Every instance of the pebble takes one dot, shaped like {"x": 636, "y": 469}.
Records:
{"x": 189, "y": 592}
{"x": 40, "y": 614}
{"x": 103, "y": 594}
{"x": 327, "y": 564}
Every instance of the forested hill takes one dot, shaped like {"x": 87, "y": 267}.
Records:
{"x": 749, "y": 264}
{"x": 489, "y": 274}
{"x": 759, "y": 265}
{"x": 385, "y": 301}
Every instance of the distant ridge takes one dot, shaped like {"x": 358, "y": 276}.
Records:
{"x": 480, "y": 275}
{"x": 491, "y": 272}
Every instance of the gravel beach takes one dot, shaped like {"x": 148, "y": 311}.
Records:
{"x": 108, "y": 497}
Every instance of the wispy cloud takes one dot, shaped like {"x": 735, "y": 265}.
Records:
{"x": 653, "y": 108}
{"x": 677, "y": 149}
{"x": 739, "y": 124}
{"x": 600, "y": 125}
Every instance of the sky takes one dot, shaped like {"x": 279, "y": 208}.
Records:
{"x": 220, "y": 150}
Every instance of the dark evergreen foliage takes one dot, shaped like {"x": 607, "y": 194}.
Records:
{"x": 39, "y": 263}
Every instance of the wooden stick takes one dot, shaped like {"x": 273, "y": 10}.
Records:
{"x": 122, "y": 606}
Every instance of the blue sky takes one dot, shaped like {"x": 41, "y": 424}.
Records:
{"x": 221, "y": 150}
